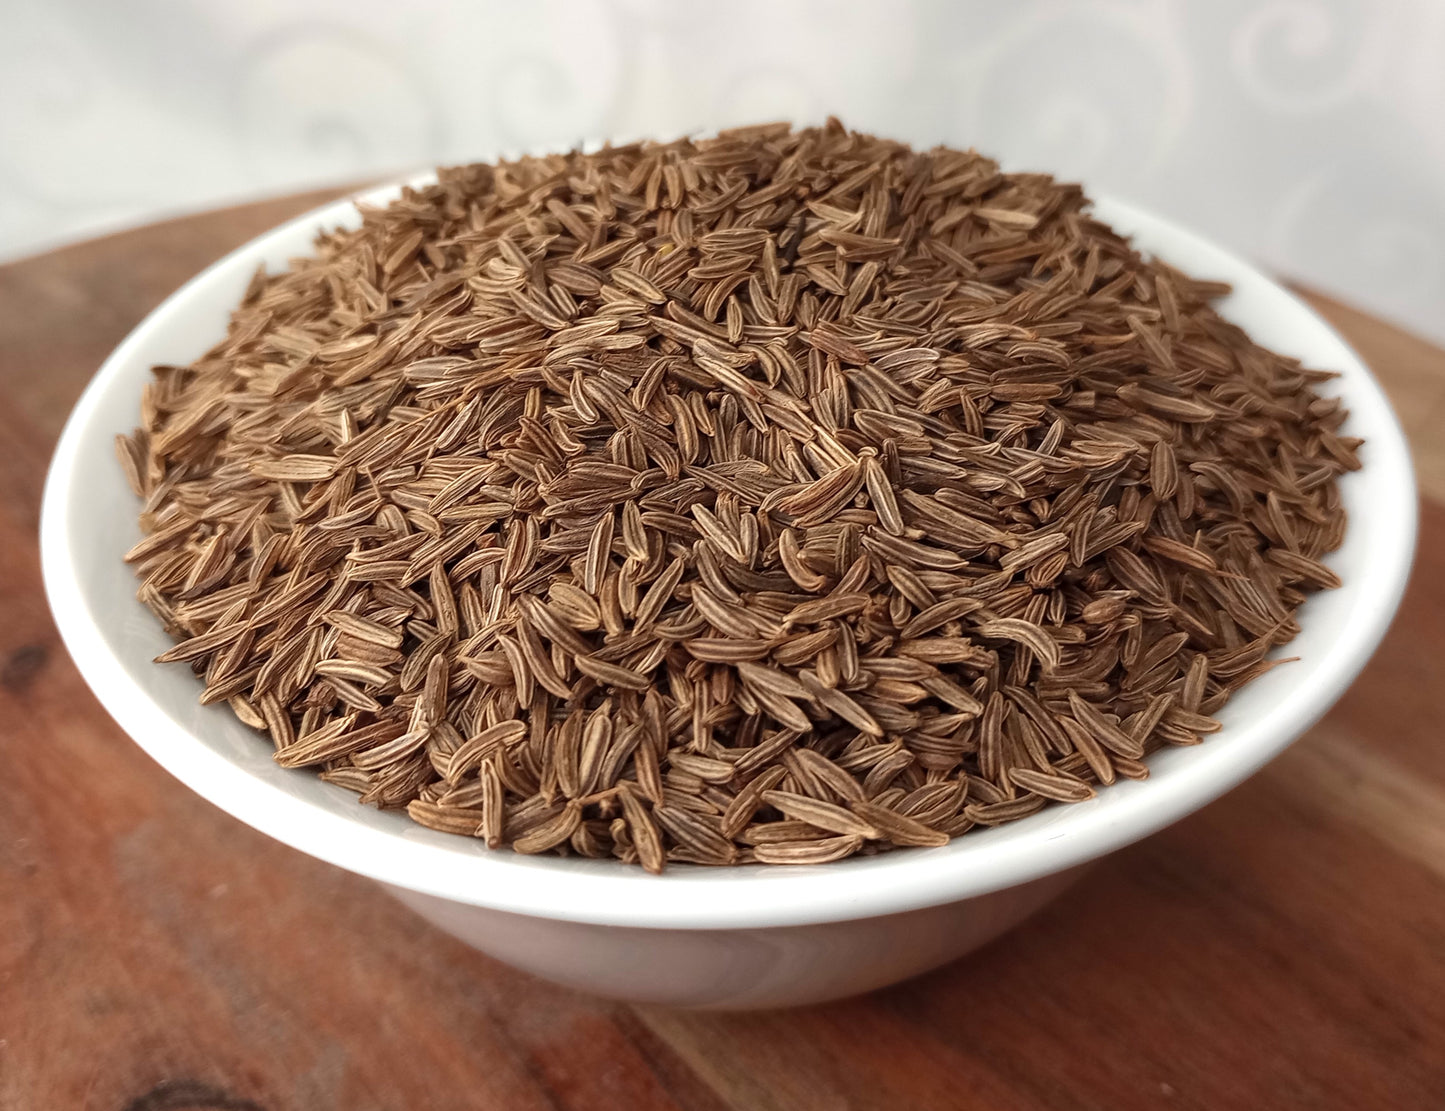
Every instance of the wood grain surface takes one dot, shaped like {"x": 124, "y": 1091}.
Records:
{"x": 1283, "y": 948}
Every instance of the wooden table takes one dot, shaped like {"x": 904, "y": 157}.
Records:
{"x": 1283, "y": 948}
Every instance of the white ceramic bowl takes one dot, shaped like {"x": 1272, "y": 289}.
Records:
{"x": 741, "y": 937}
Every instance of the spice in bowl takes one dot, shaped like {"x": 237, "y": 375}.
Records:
{"x": 773, "y": 498}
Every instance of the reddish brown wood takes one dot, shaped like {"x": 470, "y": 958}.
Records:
{"x": 1285, "y": 947}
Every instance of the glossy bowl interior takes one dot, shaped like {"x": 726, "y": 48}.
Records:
{"x": 89, "y": 520}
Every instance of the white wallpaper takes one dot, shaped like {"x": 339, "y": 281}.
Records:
{"x": 1309, "y": 134}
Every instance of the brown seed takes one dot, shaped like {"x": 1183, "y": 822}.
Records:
{"x": 612, "y": 675}
{"x": 1183, "y": 554}
{"x": 1062, "y": 788}
{"x": 1031, "y": 636}
{"x": 880, "y": 491}
{"x": 1104, "y": 731}
{"x": 476, "y": 748}
{"x": 645, "y": 836}
{"x": 791, "y": 557}
{"x": 362, "y": 629}
{"x": 448, "y": 819}
{"x": 823, "y": 850}
{"x": 835, "y": 605}
{"x": 295, "y": 468}
{"x": 824, "y": 815}
{"x": 746, "y": 802}
{"x": 552, "y": 832}
{"x": 898, "y": 828}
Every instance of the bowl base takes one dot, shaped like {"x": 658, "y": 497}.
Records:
{"x": 784, "y": 966}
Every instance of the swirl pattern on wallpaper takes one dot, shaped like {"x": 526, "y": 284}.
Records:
{"x": 367, "y": 112}
{"x": 546, "y": 88}
{"x": 1308, "y": 55}
{"x": 1385, "y": 247}
{"x": 1306, "y": 133}
{"x": 1080, "y": 90}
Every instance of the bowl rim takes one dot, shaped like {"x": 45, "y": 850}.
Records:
{"x": 749, "y": 896}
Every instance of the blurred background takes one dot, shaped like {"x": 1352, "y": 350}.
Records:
{"x": 1308, "y": 134}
